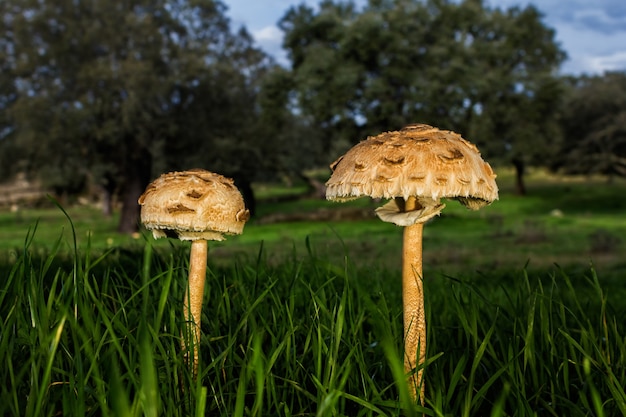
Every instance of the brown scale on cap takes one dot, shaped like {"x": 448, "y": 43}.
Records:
{"x": 417, "y": 161}
{"x": 194, "y": 204}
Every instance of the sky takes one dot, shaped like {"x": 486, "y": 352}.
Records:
{"x": 591, "y": 32}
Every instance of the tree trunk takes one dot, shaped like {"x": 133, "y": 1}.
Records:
{"x": 316, "y": 188}
{"x": 137, "y": 177}
{"x": 107, "y": 202}
{"x": 107, "y": 192}
{"x": 245, "y": 188}
{"x": 129, "y": 216}
{"x": 520, "y": 187}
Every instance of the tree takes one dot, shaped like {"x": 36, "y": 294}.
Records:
{"x": 516, "y": 119}
{"x": 463, "y": 66}
{"x": 594, "y": 126}
{"x": 116, "y": 88}
{"x": 293, "y": 144}
{"x": 8, "y": 94}
{"x": 218, "y": 117}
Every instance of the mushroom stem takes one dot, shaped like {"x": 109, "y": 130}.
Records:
{"x": 413, "y": 302}
{"x": 193, "y": 299}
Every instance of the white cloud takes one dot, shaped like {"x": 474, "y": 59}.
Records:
{"x": 268, "y": 34}
{"x": 270, "y": 40}
{"x": 611, "y": 62}
{"x": 590, "y": 51}
{"x": 599, "y": 20}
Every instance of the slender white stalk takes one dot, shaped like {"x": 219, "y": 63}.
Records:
{"x": 193, "y": 298}
{"x": 413, "y": 304}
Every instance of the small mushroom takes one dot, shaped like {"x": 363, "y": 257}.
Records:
{"x": 414, "y": 168}
{"x": 195, "y": 205}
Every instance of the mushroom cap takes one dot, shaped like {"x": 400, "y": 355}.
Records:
{"x": 192, "y": 205}
{"x": 418, "y": 161}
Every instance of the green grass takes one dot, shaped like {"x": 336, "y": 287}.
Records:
{"x": 572, "y": 222}
{"x": 100, "y": 336}
{"x": 305, "y": 318}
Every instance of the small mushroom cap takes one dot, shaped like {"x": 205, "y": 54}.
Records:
{"x": 418, "y": 161}
{"x": 192, "y": 205}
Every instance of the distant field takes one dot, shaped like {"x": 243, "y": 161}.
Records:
{"x": 573, "y": 222}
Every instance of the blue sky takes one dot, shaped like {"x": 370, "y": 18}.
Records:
{"x": 592, "y": 32}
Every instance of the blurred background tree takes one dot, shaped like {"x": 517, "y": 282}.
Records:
{"x": 488, "y": 73}
{"x": 594, "y": 126}
{"x": 8, "y": 95}
{"x": 108, "y": 94}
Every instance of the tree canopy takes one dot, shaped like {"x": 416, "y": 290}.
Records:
{"x": 594, "y": 126}
{"x": 108, "y": 91}
{"x": 111, "y": 93}
{"x": 488, "y": 73}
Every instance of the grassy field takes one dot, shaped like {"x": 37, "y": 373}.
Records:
{"x": 523, "y": 301}
{"x": 572, "y": 222}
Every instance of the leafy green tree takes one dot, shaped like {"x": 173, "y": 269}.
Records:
{"x": 218, "y": 117}
{"x": 8, "y": 94}
{"x": 514, "y": 110}
{"x": 458, "y": 65}
{"x": 115, "y": 91}
{"x": 594, "y": 126}
{"x": 293, "y": 144}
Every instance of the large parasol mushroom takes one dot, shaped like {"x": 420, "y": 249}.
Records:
{"x": 195, "y": 205}
{"x": 414, "y": 168}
